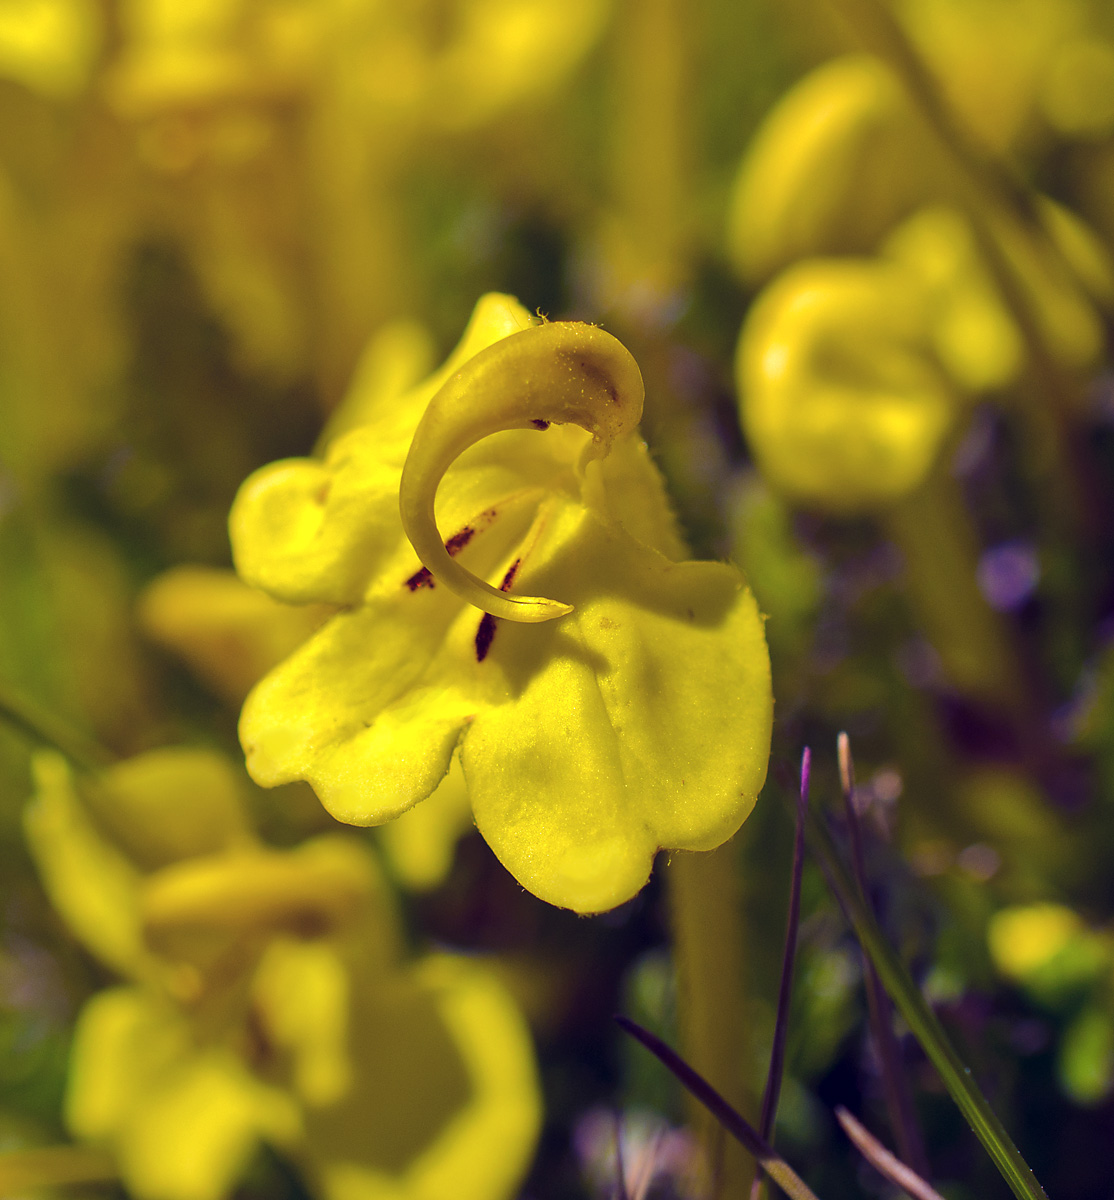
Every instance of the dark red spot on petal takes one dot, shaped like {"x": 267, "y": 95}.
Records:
{"x": 508, "y": 579}
{"x": 484, "y": 635}
{"x": 486, "y": 631}
{"x": 459, "y": 540}
{"x": 538, "y": 423}
{"x": 420, "y": 579}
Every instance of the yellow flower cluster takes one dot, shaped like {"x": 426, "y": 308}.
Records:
{"x": 855, "y": 372}
{"x": 266, "y": 1001}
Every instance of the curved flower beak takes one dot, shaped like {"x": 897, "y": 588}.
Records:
{"x": 555, "y": 374}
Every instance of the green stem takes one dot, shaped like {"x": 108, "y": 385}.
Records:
{"x": 923, "y": 1022}
{"x": 1048, "y": 397}
{"x": 651, "y": 145}
{"x": 785, "y": 987}
{"x": 895, "y": 1085}
{"x": 361, "y": 263}
{"x": 24, "y": 715}
{"x": 707, "y": 926}
{"x": 648, "y": 237}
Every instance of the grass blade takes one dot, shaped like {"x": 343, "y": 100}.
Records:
{"x": 923, "y": 1022}
{"x": 43, "y": 727}
{"x": 883, "y": 1161}
{"x": 788, "y": 961}
{"x": 899, "y": 1101}
{"x": 731, "y": 1120}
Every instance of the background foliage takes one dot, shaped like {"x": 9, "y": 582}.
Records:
{"x": 215, "y": 215}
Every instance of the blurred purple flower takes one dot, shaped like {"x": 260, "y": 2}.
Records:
{"x": 1008, "y": 574}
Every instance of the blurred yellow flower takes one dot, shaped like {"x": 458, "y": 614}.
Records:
{"x": 1061, "y": 272}
{"x": 639, "y": 720}
{"x": 420, "y": 843}
{"x": 273, "y": 138}
{"x": 50, "y": 46}
{"x": 990, "y": 57}
{"x": 231, "y": 635}
{"x": 1024, "y": 939}
{"x": 1048, "y": 948}
{"x": 835, "y": 163}
{"x": 1077, "y": 92}
{"x": 840, "y": 396}
{"x": 266, "y": 1002}
{"x": 971, "y": 332}
{"x": 454, "y": 70}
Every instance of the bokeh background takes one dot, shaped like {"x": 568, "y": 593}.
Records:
{"x": 222, "y": 222}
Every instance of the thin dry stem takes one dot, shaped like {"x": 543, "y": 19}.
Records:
{"x": 883, "y": 1161}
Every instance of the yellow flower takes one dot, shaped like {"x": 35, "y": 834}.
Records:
{"x": 992, "y": 60}
{"x": 972, "y": 332}
{"x": 266, "y": 1001}
{"x": 1048, "y": 949}
{"x": 630, "y": 713}
{"x": 836, "y": 162}
{"x": 286, "y": 130}
{"x": 420, "y": 845}
{"x": 229, "y": 634}
{"x": 1025, "y": 939}
{"x": 50, "y": 46}
{"x": 840, "y": 396}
